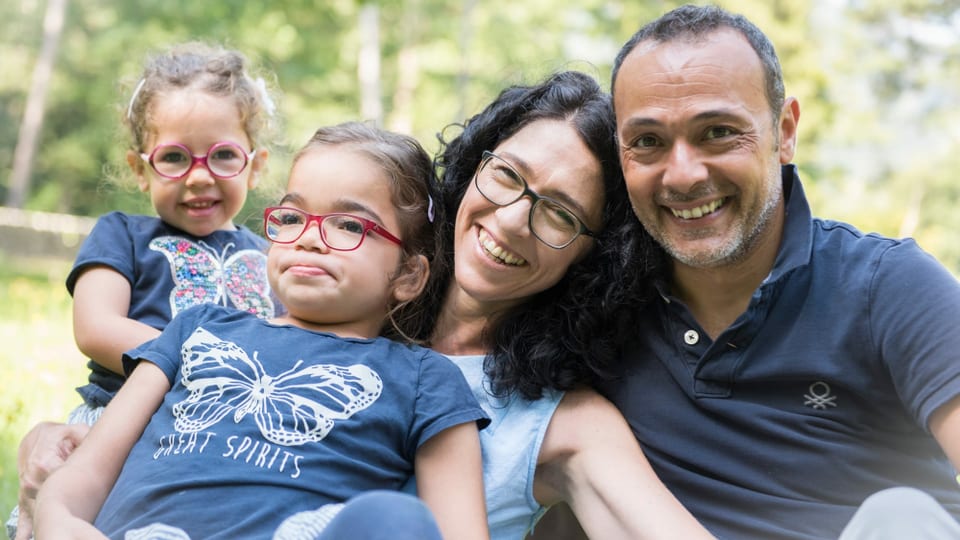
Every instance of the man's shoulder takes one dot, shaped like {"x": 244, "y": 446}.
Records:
{"x": 838, "y": 235}
{"x": 855, "y": 255}
{"x": 832, "y": 226}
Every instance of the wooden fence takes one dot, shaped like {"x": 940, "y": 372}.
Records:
{"x": 41, "y": 235}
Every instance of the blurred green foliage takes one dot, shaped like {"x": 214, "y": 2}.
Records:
{"x": 38, "y": 358}
{"x": 878, "y": 82}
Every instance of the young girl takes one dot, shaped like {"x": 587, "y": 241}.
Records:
{"x": 233, "y": 423}
{"x": 198, "y": 123}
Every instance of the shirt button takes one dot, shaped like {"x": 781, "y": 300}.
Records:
{"x": 691, "y": 337}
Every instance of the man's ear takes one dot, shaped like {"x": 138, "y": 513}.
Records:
{"x": 789, "y": 120}
{"x": 136, "y": 165}
{"x": 411, "y": 279}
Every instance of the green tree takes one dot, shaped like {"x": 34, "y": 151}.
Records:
{"x": 877, "y": 128}
{"x": 894, "y": 69}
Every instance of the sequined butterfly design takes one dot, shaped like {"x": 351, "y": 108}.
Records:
{"x": 293, "y": 408}
{"x": 201, "y": 276}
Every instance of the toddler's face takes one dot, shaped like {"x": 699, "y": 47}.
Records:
{"x": 199, "y": 202}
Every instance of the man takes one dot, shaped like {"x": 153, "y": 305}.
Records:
{"x": 795, "y": 366}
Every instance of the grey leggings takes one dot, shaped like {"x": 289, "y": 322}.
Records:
{"x": 898, "y": 513}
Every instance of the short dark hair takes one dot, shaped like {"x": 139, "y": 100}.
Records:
{"x": 567, "y": 334}
{"x": 692, "y": 23}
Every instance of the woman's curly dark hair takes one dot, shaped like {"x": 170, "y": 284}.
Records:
{"x": 570, "y": 333}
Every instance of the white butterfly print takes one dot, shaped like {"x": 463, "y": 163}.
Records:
{"x": 156, "y": 531}
{"x": 293, "y": 408}
{"x": 308, "y": 524}
{"x": 202, "y": 276}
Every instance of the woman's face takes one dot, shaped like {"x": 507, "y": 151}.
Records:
{"x": 498, "y": 261}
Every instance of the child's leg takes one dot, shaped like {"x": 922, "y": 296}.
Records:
{"x": 84, "y": 414}
{"x": 383, "y": 515}
{"x": 377, "y": 515}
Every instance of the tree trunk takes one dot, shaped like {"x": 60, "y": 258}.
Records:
{"x": 911, "y": 218}
{"x": 408, "y": 70}
{"x": 466, "y": 42}
{"x": 29, "y": 134}
{"x": 368, "y": 64}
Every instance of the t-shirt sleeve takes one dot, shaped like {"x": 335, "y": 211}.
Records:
{"x": 915, "y": 306}
{"x": 164, "y": 350}
{"x": 109, "y": 244}
{"x": 444, "y": 399}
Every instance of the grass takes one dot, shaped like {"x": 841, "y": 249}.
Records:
{"x": 39, "y": 361}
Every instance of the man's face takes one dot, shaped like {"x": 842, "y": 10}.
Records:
{"x": 700, "y": 150}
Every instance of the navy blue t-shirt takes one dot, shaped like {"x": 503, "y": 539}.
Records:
{"x": 814, "y": 398}
{"x": 263, "y": 421}
{"x": 170, "y": 270}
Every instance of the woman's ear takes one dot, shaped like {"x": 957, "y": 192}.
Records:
{"x": 411, "y": 279}
{"x": 136, "y": 165}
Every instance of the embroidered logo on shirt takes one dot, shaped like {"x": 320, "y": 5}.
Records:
{"x": 819, "y": 396}
{"x": 293, "y": 408}
{"x": 202, "y": 276}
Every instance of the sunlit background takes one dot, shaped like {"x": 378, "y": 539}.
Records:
{"x": 878, "y": 83}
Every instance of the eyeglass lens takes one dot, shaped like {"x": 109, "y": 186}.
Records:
{"x": 223, "y": 159}
{"x": 342, "y": 232}
{"x": 550, "y": 221}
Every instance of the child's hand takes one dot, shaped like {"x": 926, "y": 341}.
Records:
{"x": 43, "y": 450}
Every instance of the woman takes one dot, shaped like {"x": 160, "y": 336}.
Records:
{"x": 541, "y": 269}
{"x": 548, "y": 266}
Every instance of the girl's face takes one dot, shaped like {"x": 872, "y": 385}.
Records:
{"x": 498, "y": 261}
{"x": 344, "y": 292}
{"x": 198, "y": 203}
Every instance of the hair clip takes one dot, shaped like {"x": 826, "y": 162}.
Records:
{"x": 133, "y": 98}
{"x": 430, "y": 214}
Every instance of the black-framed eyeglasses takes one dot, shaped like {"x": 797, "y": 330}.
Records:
{"x": 173, "y": 160}
{"x": 551, "y": 222}
{"x": 340, "y": 232}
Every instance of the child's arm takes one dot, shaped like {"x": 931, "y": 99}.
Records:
{"x": 591, "y": 459}
{"x": 450, "y": 482}
{"x": 71, "y": 498}
{"x": 101, "y": 327}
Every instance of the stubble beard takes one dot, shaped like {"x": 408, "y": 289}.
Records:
{"x": 740, "y": 239}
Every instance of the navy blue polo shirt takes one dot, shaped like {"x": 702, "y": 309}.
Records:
{"x": 814, "y": 398}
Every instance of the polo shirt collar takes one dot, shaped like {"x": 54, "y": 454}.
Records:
{"x": 796, "y": 242}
